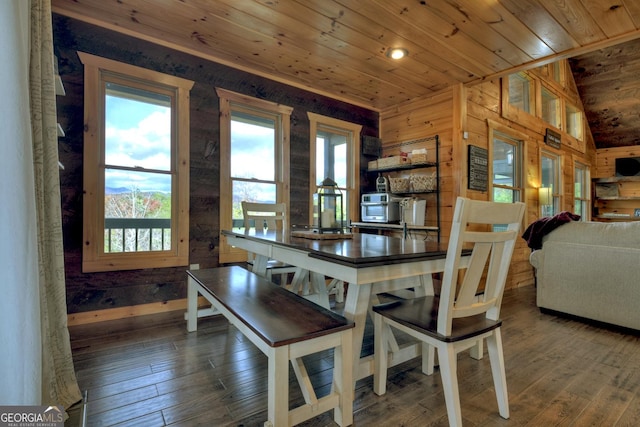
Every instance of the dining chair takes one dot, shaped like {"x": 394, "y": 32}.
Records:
{"x": 468, "y": 307}
{"x": 268, "y": 216}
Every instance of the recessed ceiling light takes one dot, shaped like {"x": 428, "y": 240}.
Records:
{"x": 397, "y": 53}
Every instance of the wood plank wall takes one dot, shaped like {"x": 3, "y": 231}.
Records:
{"x": 423, "y": 119}
{"x": 152, "y": 289}
{"x": 605, "y": 166}
{"x": 471, "y": 110}
{"x": 627, "y": 189}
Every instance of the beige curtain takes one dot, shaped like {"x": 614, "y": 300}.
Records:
{"x": 59, "y": 385}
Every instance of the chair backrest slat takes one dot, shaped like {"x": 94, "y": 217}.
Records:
{"x": 473, "y": 226}
{"x": 271, "y": 215}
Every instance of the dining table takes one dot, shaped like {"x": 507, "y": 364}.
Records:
{"x": 370, "y": 264}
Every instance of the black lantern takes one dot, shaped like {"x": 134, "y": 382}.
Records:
{"x": 327, "y": 208}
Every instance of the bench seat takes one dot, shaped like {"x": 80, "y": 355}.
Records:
{"x": 285, "y": 327}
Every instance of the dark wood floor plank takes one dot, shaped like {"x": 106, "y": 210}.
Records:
{"x": 153, "y": 419}
{"x": 560, "y": 371}
{"x": 121, "y": 399}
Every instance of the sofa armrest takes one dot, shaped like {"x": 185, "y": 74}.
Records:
{"x": 536, "y": 258}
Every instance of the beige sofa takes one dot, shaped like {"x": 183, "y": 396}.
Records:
{"x": 591, "y": 270}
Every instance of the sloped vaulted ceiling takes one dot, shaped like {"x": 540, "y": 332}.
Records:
{"x": 608, "y": 81}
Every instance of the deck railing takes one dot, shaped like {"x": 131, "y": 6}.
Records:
{"x": 137, "y": 234}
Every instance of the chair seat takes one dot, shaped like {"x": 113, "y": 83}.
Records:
{"x": 421, "y": 314}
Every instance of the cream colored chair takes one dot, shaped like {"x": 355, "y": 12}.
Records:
{"x": 464, "y": 313}
{"x": 268, "y": 216}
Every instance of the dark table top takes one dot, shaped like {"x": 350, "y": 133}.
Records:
{"x": 360, "y": 250}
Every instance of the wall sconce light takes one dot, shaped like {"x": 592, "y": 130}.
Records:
{"x": 397, "y": 52}
{"x": 544, "y": 196}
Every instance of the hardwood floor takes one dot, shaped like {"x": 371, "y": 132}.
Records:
{"x": 151, "y": 372}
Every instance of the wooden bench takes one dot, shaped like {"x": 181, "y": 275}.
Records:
{"x": 285, "y": 327}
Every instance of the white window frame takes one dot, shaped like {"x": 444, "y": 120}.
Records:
{"x": 351, "y": 194}
{"x": 518, "y": 141}
{"x": 556, "y": 184}
{"x": 585, "y": 198}
{"x": 94, "y": 258}
{"x": 282, "y": 116}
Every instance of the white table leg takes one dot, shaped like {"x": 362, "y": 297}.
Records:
{"x": 260, "y": 265}
{"x": 355, "y": 308}
{"x": 319, "y": 293}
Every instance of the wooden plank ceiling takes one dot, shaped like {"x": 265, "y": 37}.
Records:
{"x": 608, "y": 81}
{"x": 337, "y": 47}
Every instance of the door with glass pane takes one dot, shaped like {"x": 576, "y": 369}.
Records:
{"x": 331, "y": 162}
{"x": 335, "y": 155}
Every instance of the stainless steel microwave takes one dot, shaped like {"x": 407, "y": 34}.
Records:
{"x": 380, "y": 207}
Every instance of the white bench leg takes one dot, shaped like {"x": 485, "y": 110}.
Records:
{"x": 278, "y": 380}
{"x": 343, "y": 379}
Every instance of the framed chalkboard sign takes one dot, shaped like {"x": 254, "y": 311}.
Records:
{"x": 552, "y": 138}
{"x": 478, "y": 170}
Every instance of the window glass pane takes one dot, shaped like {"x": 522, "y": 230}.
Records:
{"x": 550, "y": 178}
{"x": 520, "y": 91}
{"x": 573, "y": 117}
{"x": 503, "y": 163}
{"x": 252, "y": 146}
{"x": 577, "y": 208}
{"x": 581, "y": 191}
{"x": 548, "y": 171}
{"x": 331, "y": 157}
{"x": 502, "y": 195}
{"x": 505, "y": 168}
{"x": 550, "y": 107}
{"x": 578, "y": 188}
{"x": 250, "y": 192}
{"x": 137, "y": 211}
{"x": 137, "y": 128}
